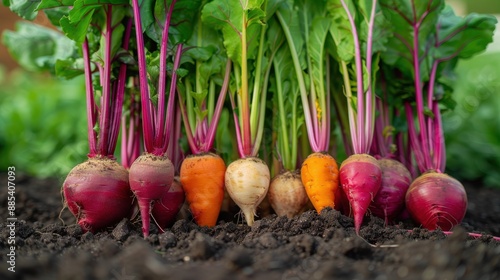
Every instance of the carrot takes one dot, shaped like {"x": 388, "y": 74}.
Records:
{"x": 247, "y": 182}
{"x": 287, "y": 195}
{"x": 319, "y": 171}
{"x": 202, "y": 177}
{"x": 360, "y": 179}
{"x": 319, "y": 175}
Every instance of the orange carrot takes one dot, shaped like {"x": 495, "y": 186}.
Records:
{"x": 202, "y": 177}
{"x": 320, "y": 176}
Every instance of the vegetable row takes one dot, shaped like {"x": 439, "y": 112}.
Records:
{"x": 290, "y": 87}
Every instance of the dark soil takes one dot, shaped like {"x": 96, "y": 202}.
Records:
{"x": 309, "y": 246}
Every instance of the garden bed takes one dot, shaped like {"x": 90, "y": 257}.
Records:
{"x": 309, "y": 246}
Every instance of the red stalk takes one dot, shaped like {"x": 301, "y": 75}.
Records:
{"x": 171, "y": 98}
{"x": 419, "y": 97}
{"x": 369, "y": 130}
{"x": 156, "y": 126}
{"x": 359, "y": 145}
{"x": 119, "y": 90}
{"x": 245, "y": 106}
{"x": 218, "y": 108}
{"x": 91, "y": 106}
{"x": 147, "y": 124}
{"x": 160, "y": 130}
{"x": 104, "y": 122}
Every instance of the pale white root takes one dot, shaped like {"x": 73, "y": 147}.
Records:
{"x": 247, "y": 182}
{"x": 287, "y": 194}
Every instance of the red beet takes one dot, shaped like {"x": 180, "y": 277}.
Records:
{"x": 360, "y": 179}
{"x": 166, "y": 209}
{"x": 436, "y": 200}
{"x": 97, "y": 192}
{"x": 150, "y": 178}
{"x": 389, "y": 201}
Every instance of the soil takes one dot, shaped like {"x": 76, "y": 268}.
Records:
{"x": 49, "y": 245}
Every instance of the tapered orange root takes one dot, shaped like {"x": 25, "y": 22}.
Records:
{"x": 202, "y": 177}
{"x": 320, "y": 176}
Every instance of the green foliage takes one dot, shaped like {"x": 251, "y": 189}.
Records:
{"x": 472, "y": 130}
{"x": 38, "y": 48}
{"x": 443, "y": 37}
{"x": 232, "y": 18}
{"x": 153, "y": 17}
{"x": 43, "y": 131}
{"x": 24, "y": 8}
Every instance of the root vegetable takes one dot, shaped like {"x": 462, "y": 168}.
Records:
{"x": 360, "y": 179}
{"x": 436, "y": 200}
{"x": 319, "y": 174}
{"x": 97, "y": 192}
{"x": 247, "y": 182}
{"x": 150, "y": 178}
{"x": 287, "y": 194}
{"x": 202, "y": 177}
{"x": 389, "y": 201}
{"x": 166, "y": 209}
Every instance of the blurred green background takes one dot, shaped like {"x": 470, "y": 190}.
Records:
{"x": 43, "y": 119}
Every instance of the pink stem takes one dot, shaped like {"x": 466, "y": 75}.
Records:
{"x": 218, "y": 109}
{"x": 315, "y": 125}
{"x": 370, "y": 114}
{"x": 171, "y": 98}
{"x": 358, "y": 147}
{"x": 430, "y": 120}
{"x": 324, "y": 138}
{"x": 160, "y": 133}
{"x": 439, "y": 145}
{"x": 120, "y": 90}
{"x": 414, "y": 142}
{"x": 178, "y": 154}
{"x": 147, "y": 124}
{"x": 426, "y": 163}
{"x": 189, "y": 135}
{"x": 91, "y": 106}
{"x": 125, "y": 144}
{"x": 130, "y": 134}
{"x": 241, "y": 150}
{"x": 104, "y": 121}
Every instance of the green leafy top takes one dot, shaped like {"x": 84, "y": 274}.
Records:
{"x": 240, "y": 23}
{"x": 38, "y": 48}
{"x": 427, "y": 43}
{"x": 243, "y": 27}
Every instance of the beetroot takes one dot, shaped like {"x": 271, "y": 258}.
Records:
{"x": 436, "y": 200}
{"x": 166, "y": 209}
{"x": 97, "y": 193}
{"x": 360, "y": 179}
{"x": 389, "y": 201}
{"x": 150, "y": 178}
